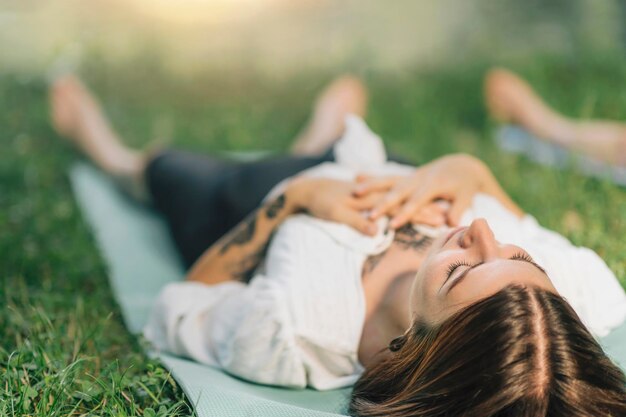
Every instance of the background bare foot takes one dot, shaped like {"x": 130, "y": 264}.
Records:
{"x": 345, "y": 95}
{"x": 511, "y": 99}
{"x": 76, "y": 114}
{"x": 73, "y": 109}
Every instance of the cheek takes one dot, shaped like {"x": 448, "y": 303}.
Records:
{"x": 414, "y": 296}
{"x": 431, "y": 273}
{"x": 428, "y": 281}
{"x": 420, "y": 291}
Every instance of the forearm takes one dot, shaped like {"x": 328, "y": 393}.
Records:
{"x": 491, "y": 186}
{"x": 239, "y": 252}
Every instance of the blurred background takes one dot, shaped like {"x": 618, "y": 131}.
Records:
{"x": 182, "y": 57}
{"x": 224, "y": 75}
{"x": 280, "y": 37}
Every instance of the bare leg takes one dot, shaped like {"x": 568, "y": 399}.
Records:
{"x": 511, "y": 99}
{"x": 76, "y": 115}
{"x": 344, "y": 95}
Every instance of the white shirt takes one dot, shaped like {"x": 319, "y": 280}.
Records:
{"x": 298, "y": 322}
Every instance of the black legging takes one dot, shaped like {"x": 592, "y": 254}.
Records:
{"x": 202, "y": 197}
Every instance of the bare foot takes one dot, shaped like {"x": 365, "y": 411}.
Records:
{"x": 71, "y": 105}
{"x": 511, "y": 99}
{"x": 76, "y": 115}
{"x": 343, "y": 96}
{"x": 74, "y": 111}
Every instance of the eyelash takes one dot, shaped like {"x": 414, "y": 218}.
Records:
{"x": 523, "y": 257}
{"x": 455, "y": 265}
{"x": 518, "y": 256}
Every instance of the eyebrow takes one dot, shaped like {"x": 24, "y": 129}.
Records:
{"x": 462, "y": 276}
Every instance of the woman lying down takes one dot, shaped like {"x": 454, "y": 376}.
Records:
{"x": 305, "y": 272}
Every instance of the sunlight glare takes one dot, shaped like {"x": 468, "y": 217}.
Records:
{"x": 199, "y": 11}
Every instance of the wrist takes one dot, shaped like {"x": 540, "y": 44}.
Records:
{"x": 486, "y": 181}
{"x": 296, "y": 195}
{"x": 489, "y": 184}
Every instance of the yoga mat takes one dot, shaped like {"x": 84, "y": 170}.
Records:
{"x": 514, "y": 139}
{"x": 141, "y": 259}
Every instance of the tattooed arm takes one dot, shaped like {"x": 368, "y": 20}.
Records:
{"x": 237, "y": 254}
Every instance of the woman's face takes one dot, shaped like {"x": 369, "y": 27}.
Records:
{"x": 467, "y": 265}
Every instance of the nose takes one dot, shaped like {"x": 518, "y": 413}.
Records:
{"x": 480, "y": 236}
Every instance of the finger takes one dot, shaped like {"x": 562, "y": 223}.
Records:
{"x": 393, "y": 211}
{"x": 362, "y": 177}
{"x": 374, "y": 185}
{"x": 393, "y": 199}
{"x": 432, "y": 209}
{"x": 412, "y": 206}
{"x": 433, "y": 219}
{"x": 458, "y": 207}
{"x": 429, "y": 210}
{"x": 365, "y": 202}
{"x": 403, "y": 216}
{"x": 356, "y": 220}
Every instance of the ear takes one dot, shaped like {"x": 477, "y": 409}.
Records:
{"x": 397, "y": 343}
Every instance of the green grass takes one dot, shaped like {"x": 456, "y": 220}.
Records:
{"x": 64, "y": 349}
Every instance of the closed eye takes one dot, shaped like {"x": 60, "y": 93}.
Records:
{"x": 453, "y": 266}
{"x": 523, "y": 256}
{"x": 519, "y": 256}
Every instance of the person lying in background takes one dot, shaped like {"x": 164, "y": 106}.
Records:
{"x": 510, "y": 99}
{"x": 426, "y": 287}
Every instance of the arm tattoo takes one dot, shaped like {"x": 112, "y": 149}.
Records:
{"x": 241, "y": 235}
{"x": 243, "y": 270}
{"x": 409, "y": 238}
{"x": 275, "y": 207}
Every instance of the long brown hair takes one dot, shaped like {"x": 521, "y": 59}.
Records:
{"x": 522, "y": 352}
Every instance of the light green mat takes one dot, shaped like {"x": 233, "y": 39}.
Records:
{"x": 141, "y": 259}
